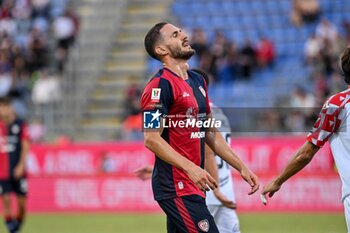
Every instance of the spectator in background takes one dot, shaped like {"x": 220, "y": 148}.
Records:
{"x": 41, "y": 9}
{"x": 247, "y": 59}
{"x": 325, "y": 30}
{"x": 38, "y": 51}
{"x": 199, "y": 43}
{"x": 5, "y": 65}
{"x": 312, "y": 49}
{"x": 75, "y": 19}
{"x": 7, "y": 23}
{"x": 64, "y": 28}
{"x": 22, "y": 9}
{"x": 346, "y": 27}
{"x": 46, "y": 89}
{"x": 5, "y": 83}
{"x": 305, "y": 11}
{"x": 228, "y": 69}
{"x": 301, "y": 98}
{"x": 132, "y": 125}
{"x": 132, "y": 102}
{"x": 45, "y": 94}
{"x": 303, "y": 104}
{"x": 265, "y": 53}
{"x": 218, "y": 51}
{"x": 327, "y": 57}
{"x": 338, "y": 46}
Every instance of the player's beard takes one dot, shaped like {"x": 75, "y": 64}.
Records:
{"x": 178, "y": 53}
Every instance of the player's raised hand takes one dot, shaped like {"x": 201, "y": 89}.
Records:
{"x": 224, "y": 200}
{"x": 144, "y": 173}
{"x": 271, "y": 188}
{"x": 251, "y": 179}
{"x": 201, "y": 178}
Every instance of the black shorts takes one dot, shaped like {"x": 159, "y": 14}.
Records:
{"x": 18, "y": 187}
{"x": 188, "y": 214}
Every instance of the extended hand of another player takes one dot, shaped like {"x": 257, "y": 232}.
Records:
{"x": 224, "y": 200}
{"x": 201, "y": 178}
{"x": 271, "y": 188}
{"x": 251, "y": 179}
{"x": 144, "y": 173}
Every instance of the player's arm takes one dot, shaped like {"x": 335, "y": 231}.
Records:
{"x": 327, "y": 122}
{"x": 20, "y": 167}
{"x": 212, "y": 168}
{"x": 154, "y": 142}
{"x": 301, "y": 158}
{"x": 218, "y": 144}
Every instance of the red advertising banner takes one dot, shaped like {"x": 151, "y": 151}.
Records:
{"x": 102, "y": 193}
{"x": 99, "y": 177}
{"x": 87, "y": 159}
{"x": 311, "y": 193}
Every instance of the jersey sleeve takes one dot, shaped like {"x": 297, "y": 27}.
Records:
{"x": 327, "y": 123}
{"x": 157, "y": 95}
{"x": 25, "y": 132}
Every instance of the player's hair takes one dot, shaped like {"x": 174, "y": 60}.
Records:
{"x": 5, "y": 100}
{"x": 345, "y": 64}
{"x": 203, "y": 73}
{"x": 152, "y": 38}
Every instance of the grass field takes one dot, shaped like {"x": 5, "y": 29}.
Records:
{"x": 155, "y": 223}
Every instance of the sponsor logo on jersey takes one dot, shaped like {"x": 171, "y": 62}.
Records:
{"x": 198, "y": 135}
{"x": 204, "y": 225}
{"x": 155, "y": 94}
{"x": 181, "y": 185}
{"x": 185, "y": 94}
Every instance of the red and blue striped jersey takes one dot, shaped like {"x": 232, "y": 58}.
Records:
{"x": 177, "y": 100}
{"x": 11, "y": 137}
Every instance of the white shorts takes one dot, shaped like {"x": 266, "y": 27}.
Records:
{"x": 347, "y": 211}
{"x": 226, "y": 219}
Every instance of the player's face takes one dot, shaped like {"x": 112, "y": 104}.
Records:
{"x": 177, "y": 42}
{"x": 5, "y": 111}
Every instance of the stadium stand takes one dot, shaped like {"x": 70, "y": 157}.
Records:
{"x": 107, "y": 61}
{"x": 102, "y": 73}
{"x": 251, "y": 19}
{"x": 35, "y": 38}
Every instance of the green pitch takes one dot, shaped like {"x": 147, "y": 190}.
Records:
{"x": 155, "y": 223}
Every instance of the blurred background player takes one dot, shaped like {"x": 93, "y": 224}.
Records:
{"x": 179, "y": 180}
{"x": 221, "y": 201}
{"x": 333, "y": 124}
{"x": 14, "y": 147}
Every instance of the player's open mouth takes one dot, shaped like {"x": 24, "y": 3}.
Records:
{"x": 186, "y": 44}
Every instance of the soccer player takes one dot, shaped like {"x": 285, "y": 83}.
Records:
{"x": 180, "y": 95}
{"x": 333, "y": 125}
{"x": 220, "y": 201}
{"x": 14, "y": 147}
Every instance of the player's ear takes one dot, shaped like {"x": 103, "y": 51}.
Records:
{"x": 161, "y": 50}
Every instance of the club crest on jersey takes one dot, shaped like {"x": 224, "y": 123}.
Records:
{"x": 155, "y": 94}
{"x": 204, "y": 225}
{"x": 203, "y": 91}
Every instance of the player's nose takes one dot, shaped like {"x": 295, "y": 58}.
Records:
{"x": 183, "y": 35}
